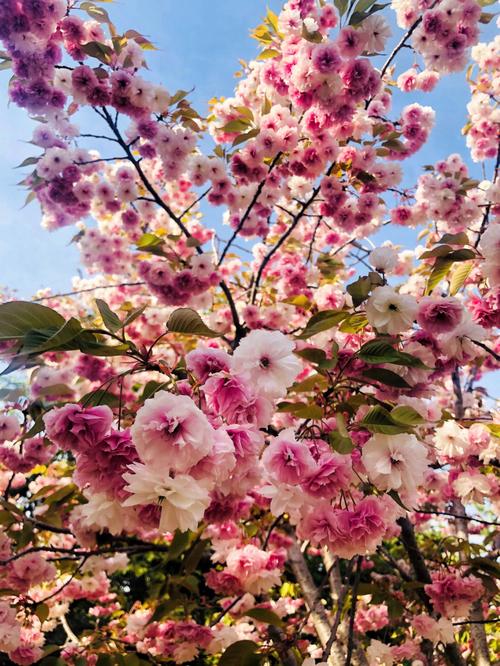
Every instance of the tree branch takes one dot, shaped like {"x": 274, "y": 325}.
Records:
{"x": 248, "y": 210}
{"x": 240, "y": 331}
{"x": 407, "y": 537}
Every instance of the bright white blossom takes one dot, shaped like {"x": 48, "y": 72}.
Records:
{"x": 395, "y": 462}
{"x": 451, "y": 439}
{"x": 379, "y": 654}
{"x": 383, "y": 259}
{"x": 390, "y": 312}
{"x": 183, "y": 500}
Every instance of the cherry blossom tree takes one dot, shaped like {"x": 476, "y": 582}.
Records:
{"x": 265, "y": 442}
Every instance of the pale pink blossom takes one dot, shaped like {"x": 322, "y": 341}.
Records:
{"x": 10, "y": 629}
{"x": 253, "y": 567}
{"x": 9, "y": 427}
{"x": 76, "y": 428}
{"x": 266, "y": 359}
{"x": 395, "y": 462}
{"x": 439, "y": 315}
{"x": 451, "y": 440}
{"x": 286, "y": 460}
{"x": 452, "y": 594}
{"x": 171, "y": 432}
{"x": 434, "y": 630}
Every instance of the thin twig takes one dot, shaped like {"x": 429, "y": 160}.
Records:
{"x": 88, "y": 289}
{"x": 248, "y": 210}
{"x": 456, "y": 515}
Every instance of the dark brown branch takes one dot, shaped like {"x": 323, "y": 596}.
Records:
{"x": 352, "y": 612}
{"x": 336, "y": 622}
{"x": 487, "y": 210}
{"x": 247, "y": 212}
{"x": 240, "y": 331}
{"x": 486, "y": 349}
{"x": 457, "y": 515}
{"x": 451, "y": 650}
{"x": 296, "y": 219}
{"x": 202, "y": 196}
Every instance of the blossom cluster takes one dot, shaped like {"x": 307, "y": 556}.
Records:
{"x": 326, "y": 459}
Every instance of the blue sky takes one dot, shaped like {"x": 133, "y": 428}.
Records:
{"x": 200, "y": 44}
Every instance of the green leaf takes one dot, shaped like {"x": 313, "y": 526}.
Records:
{"x": 455, "y": 239}
{"x": 328, "y": 266}
{"x": 29, "y": 161}
{"x": 150, "y": 243}
{"x": 379, "y": 351}
{"x": 354, "y": 323}
{"x": 111, "y": 320}
{"x": 37, "y": 427}
{"x": 363, "y": 5}
{"x": 359, "y": 290}
{"x": 387, "y": 377}
{"x": 189, "y": 322}
{"x": 56, "y": 389}
{"x": 144, "y": 43}
{"x": 94, "y": 348}
{"x": 133, "y": 315}
{"x": 268, "y": 53}
{"x": 240, "y": 125}
{"x": 64, "y": 339}
{"x": 463, "y": 254}
{"x": 395, "y": 496}
{"x": 151, "y": 388}
{"x": 391, "y": 144}
{"x": 179, "y": 544}
{"x": 439, "y": 272}
{"x": 178, "y": 96}
{"x": 193, "y": 557}
{"x": 42, "y": 612}
{"x": 486, "y": 17}
{"x": 485, "y": 564}
{"x": 439, "y": 251}
{"x": 164, "y": 608}
{"x": 241, "y": 653}
{"x": 241, "y": 138}
{"x": 19, "y": 317}
{"x": 340, "y": 443}
{"x": 97, "y": 13}
{"x": 53, "y": 661}
{"x": 265, "y": 615}
{"x": 459, "y": 275}
{"x": 272, "y": 19}
{"x": 108, "y": 660}
{"x": 406, "y": 415}
{"x": 312, "y": 355}
{"x": 341, "y": 6}
{"x": 61, "y": 494}
{"x": 134, "y": 660}
{"x": 315, "y": 37}
{"x": 494, "y": 428}
{"x": 99, "y": 397}
{"x": 322, "y": 321}
{"x": 98, "y": 50}
{"x": 358, "y": 17}
{"x": 378, "y": 420}
{"x": 301, "y": 410}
